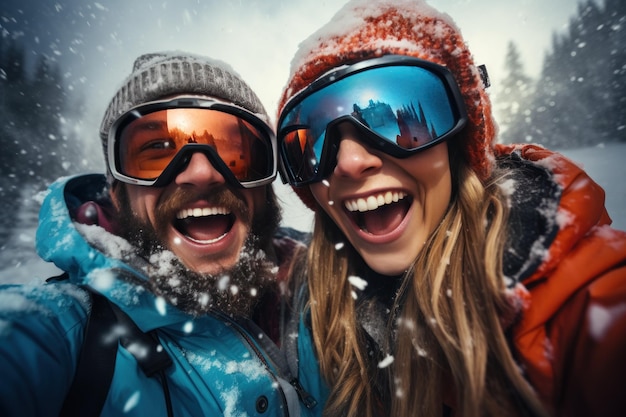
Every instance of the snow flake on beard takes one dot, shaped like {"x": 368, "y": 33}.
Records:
{"x": 235, "y": 291}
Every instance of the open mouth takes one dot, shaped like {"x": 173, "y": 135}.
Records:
{"x": 379, "y": 214}
{"x": 204, "y": 225}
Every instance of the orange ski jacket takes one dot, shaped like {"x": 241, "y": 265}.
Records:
{"x": 571, "y": 337}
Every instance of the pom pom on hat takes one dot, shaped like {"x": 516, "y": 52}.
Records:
{"x": 158, "y": 75}
{"x": 365, "y": 29}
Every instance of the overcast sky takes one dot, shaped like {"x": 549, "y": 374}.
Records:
{"x": 96, "y": 42}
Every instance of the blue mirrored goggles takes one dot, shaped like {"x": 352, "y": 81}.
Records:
{"x": 400, "y": 105}
{"x": 152, "y": 143}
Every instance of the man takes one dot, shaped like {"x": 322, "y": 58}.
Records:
{"x": 179, "y": 243}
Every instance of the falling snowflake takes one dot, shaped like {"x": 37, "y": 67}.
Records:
{"x": 385, "y": 362}
{"x": 161, "y": 305}
{"x": 132, "y": 401}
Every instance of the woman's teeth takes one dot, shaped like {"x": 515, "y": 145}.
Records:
{"x": 374, "y": 201}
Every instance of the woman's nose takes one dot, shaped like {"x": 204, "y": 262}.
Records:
{"x": 353, "y": 157}
{"x": 199, "y": 171}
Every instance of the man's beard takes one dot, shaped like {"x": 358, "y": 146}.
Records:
{"x": 235, "y": 290}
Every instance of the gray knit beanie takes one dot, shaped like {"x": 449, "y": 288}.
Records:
{"x": 162, "y": 74}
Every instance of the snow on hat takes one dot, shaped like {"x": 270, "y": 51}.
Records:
{"x": 157, "y": 75}
{"x": 365, "y": 29}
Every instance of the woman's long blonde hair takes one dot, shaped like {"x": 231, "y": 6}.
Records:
{"x": 448, "y": 344}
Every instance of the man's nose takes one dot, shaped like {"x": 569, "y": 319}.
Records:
{"x": 354, "y": 159}
{"x": 199, "y": 171}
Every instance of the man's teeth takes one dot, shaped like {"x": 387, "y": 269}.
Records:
{"x": 374, "y": 201}
{"x": 201, "y": 212}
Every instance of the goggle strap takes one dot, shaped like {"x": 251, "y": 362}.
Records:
{"x": 484, "y": 76}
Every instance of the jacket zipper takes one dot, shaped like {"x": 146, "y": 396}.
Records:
{"x": 307, "y": 399}
{"x": 259, "y": 355}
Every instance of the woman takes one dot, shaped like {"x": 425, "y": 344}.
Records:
{"x": 447, "y": 275}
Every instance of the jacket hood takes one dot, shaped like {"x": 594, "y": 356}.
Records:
{"x": 576, "y": 278}
{"x": 94, "y": 257}
{"x": 568, "y": 202}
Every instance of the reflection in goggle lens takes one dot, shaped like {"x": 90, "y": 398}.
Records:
{"x": 407, "y": 108}
{"x": 146, "y": 146}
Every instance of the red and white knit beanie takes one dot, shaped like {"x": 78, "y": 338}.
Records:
{"x": 365, "y": 29}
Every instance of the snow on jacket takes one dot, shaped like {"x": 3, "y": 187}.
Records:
{"x": 218, "y": 368}
{"x": 570, "y": 337}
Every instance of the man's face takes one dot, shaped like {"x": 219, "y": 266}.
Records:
{"x": 207, "y": 223}
{"x": 196, "y": 216}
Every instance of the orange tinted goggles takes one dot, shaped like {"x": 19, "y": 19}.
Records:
{"x": 150, "y": 144}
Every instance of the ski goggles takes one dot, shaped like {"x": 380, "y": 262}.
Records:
{"x": 399, "y": 105}
{"x": 152, "y": 143}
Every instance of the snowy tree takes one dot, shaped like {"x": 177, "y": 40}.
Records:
{"x": 11, "y": 79}
{"x": 615, "y": 29}
{"x": 33, "y": 105}
{"x": 12, "y": 62}
{"x": 579, "y": 99}
{"x": 514, "y": 94}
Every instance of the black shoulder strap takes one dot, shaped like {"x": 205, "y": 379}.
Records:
{"x": 152, "y": 358}
{"x": 96, "y": 362}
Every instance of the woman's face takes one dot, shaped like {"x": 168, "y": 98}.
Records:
{"x": 386, "y": 207}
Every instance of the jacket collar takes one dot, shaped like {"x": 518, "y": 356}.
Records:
{"x": 533, "y": 200}
{"x": 92, "y": 256}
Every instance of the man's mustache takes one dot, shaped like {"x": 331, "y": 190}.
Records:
{"x": 169, "y": 205}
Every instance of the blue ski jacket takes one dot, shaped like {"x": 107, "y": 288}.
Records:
{"x": 218, "y": 367}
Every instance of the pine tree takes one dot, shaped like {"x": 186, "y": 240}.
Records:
{"x": 579, "y": 99}
{"x": 13, "y": 63}
{"x": 512, "y": 100}
{"x": 49, "y": 150}
{"x": 12, "y": 77}
{"x": 615, "y": 28}
{"x": 36, "y": 148}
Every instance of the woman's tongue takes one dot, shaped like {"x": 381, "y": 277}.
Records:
{"x": 384, "y": 219}
{"x": 206, "y": 228}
